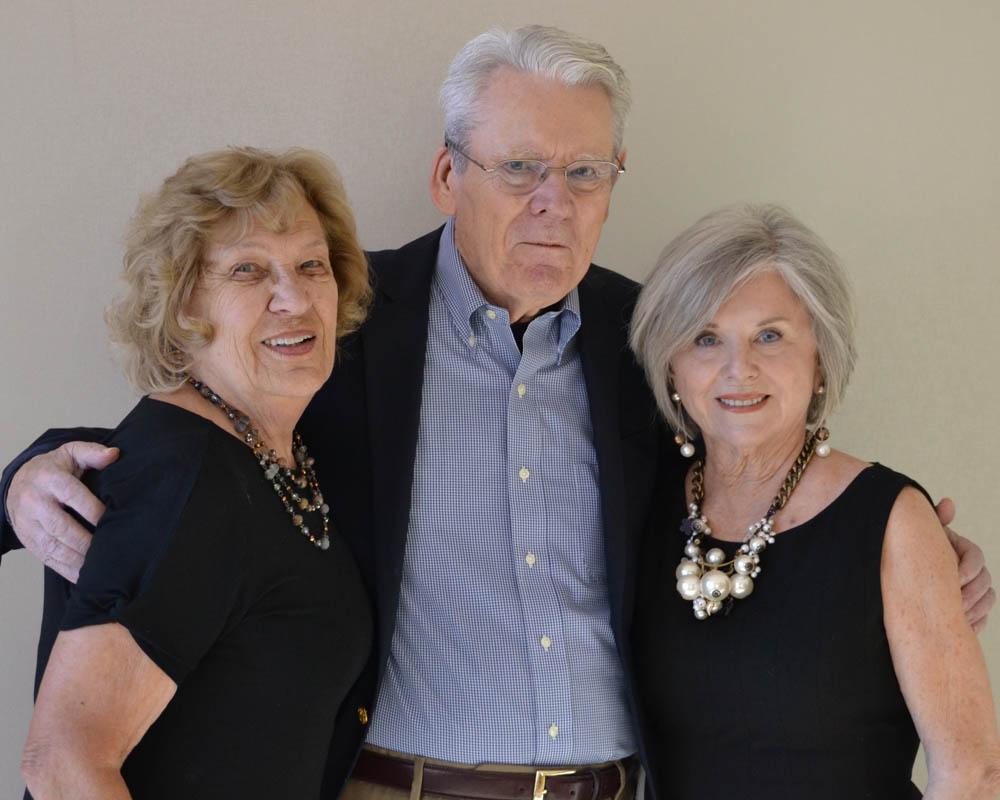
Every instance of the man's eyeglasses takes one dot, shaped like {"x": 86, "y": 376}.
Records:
{"x": 524, "y": 175}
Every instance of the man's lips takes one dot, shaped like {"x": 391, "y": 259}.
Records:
{"x": 545, "y": 244}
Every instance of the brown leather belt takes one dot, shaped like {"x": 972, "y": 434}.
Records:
{"x": 580, "y": 783}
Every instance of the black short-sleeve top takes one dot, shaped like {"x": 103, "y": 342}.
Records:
{"x": 263, "y": 632}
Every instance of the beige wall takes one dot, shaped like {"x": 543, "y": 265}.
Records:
{"x": 876, "y": 121}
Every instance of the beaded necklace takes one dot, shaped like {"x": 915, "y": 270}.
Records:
{"x": 709, "y": 581}
{"x": 289, "y": 483}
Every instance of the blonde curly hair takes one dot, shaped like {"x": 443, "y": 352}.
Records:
{"x": 165, "y": 245}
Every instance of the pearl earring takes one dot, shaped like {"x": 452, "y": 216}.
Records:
{"x": 823, "y": 448}
{"x": 687, "y": 449}
{"x": 822, "y": 434}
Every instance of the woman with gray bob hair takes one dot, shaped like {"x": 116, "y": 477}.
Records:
{"x": 535, "y": 49}
{"x": 792, "y": 634}
{"x": 699, "y": 269}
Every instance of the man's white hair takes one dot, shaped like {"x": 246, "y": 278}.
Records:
{"x": 537, "y": 50}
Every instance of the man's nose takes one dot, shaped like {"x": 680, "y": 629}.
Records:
{"x": 553, "y": 195}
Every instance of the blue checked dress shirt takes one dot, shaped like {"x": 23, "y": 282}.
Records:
{"x": 503, "y": 650}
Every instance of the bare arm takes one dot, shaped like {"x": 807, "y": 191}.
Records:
{"x": 99, "y": 695}
{"x": 936, "y": 655}
{"x": 39, "y": 494}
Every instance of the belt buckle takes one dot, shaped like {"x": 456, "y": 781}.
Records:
{"x": 541, "y": 775}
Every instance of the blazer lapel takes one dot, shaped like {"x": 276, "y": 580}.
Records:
{"x": 394, "y": 343}
{"x": 601, "y": 351}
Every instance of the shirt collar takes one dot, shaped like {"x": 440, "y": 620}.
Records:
{"x": 465, "y": 301}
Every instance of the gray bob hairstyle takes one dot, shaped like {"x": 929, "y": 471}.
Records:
{"x": 538, "y": 50}
{"x": 704, "y": 265}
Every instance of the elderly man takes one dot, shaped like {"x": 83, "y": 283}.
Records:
{"x": 504, "y": 450}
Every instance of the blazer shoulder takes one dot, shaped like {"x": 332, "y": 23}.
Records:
{"x": 404, "y": 268}
{"x": 610, "y": 291}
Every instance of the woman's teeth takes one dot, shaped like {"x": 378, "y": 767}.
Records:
{"x": 742, "y": 403}
{"x": 282, "y": 341}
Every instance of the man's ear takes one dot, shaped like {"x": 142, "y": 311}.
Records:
{"x": 441, "y": 184}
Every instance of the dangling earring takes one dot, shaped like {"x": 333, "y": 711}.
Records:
{"x": 822, "y": 434}
{"x": 687, "y": 449}
{"x": 823, "y": 448}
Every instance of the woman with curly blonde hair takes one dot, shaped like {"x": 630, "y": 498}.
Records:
{"x": 219, "y": 620}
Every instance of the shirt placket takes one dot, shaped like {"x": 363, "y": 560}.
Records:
{"x": 531, "y": 550}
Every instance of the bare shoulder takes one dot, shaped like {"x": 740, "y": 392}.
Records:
{"x": 913, "y": 533}
{"x": 823, "y": 482}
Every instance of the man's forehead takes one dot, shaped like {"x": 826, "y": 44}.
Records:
{"x": 531, "y": 116}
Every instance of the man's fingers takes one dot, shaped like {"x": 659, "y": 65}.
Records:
{"x": 975, "y": 590}
{"x": 971, "y": 559}
{"x": 946, "y": 511}
{"x": 65, "y": 561}
{"x": 88, "y": 455}
{"x": 979, "y": 613}
{"x": 66, "y": 538}
{"x": 69, "y": 491}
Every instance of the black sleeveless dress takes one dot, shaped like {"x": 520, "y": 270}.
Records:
{"x": 793, "y": 694}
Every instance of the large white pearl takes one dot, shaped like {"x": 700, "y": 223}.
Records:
{"x": 715, "y": 585}
{"x": 757, "y": 543}
{"x": 687, "y": 568}
{"x": 743, "y": 564}
{"x": 689, "y": 587}
{"x": 823, "y": 450}
{"x": 687, "y": 449}
{"x": 742, "y": 585}
{"x": 692, "y": 550}
{"x": 715, "y": 556}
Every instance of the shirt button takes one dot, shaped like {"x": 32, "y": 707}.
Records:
{"x": 530, "y": 559}
{"x": 472, "y": 341}
{"x": 524, "y": 473}
{"x": 553, "y": 731}
{"x": 521, "y": 389}
{"x": 491, "y": 313}
{"x": 546, "y": 642}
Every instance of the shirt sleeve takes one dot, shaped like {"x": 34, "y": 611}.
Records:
{"x": 166, "y": 562}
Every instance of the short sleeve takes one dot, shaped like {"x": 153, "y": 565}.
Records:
{"x": 166, "y": 562}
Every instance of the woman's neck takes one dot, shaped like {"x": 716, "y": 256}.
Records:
{"x": 740, "y": 484}
{"x": 274, "y": 418}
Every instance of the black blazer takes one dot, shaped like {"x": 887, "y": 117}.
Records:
{"x": 362, "y": 426}
{"x": 365, "y": 421}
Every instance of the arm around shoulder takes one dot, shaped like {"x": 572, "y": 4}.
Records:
{"x": 949, "y": 698}
{"x": 37, "y": 489}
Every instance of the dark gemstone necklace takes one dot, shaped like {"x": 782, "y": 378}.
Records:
{"x": 292, "y": 484}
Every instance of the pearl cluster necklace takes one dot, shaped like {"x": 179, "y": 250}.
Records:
{"x": 289, "y": 483}
{"x": 711, "y": 582}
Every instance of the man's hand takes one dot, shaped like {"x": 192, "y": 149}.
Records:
{"x": 41, "y": 489}
{"x": 978, "y": 596}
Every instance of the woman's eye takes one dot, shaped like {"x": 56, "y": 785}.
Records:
{"x": 706, "y": 340}
{"x": 769, "y": 336}
{"x": 314, "y": 265}
{"x": 245, "y": 268}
